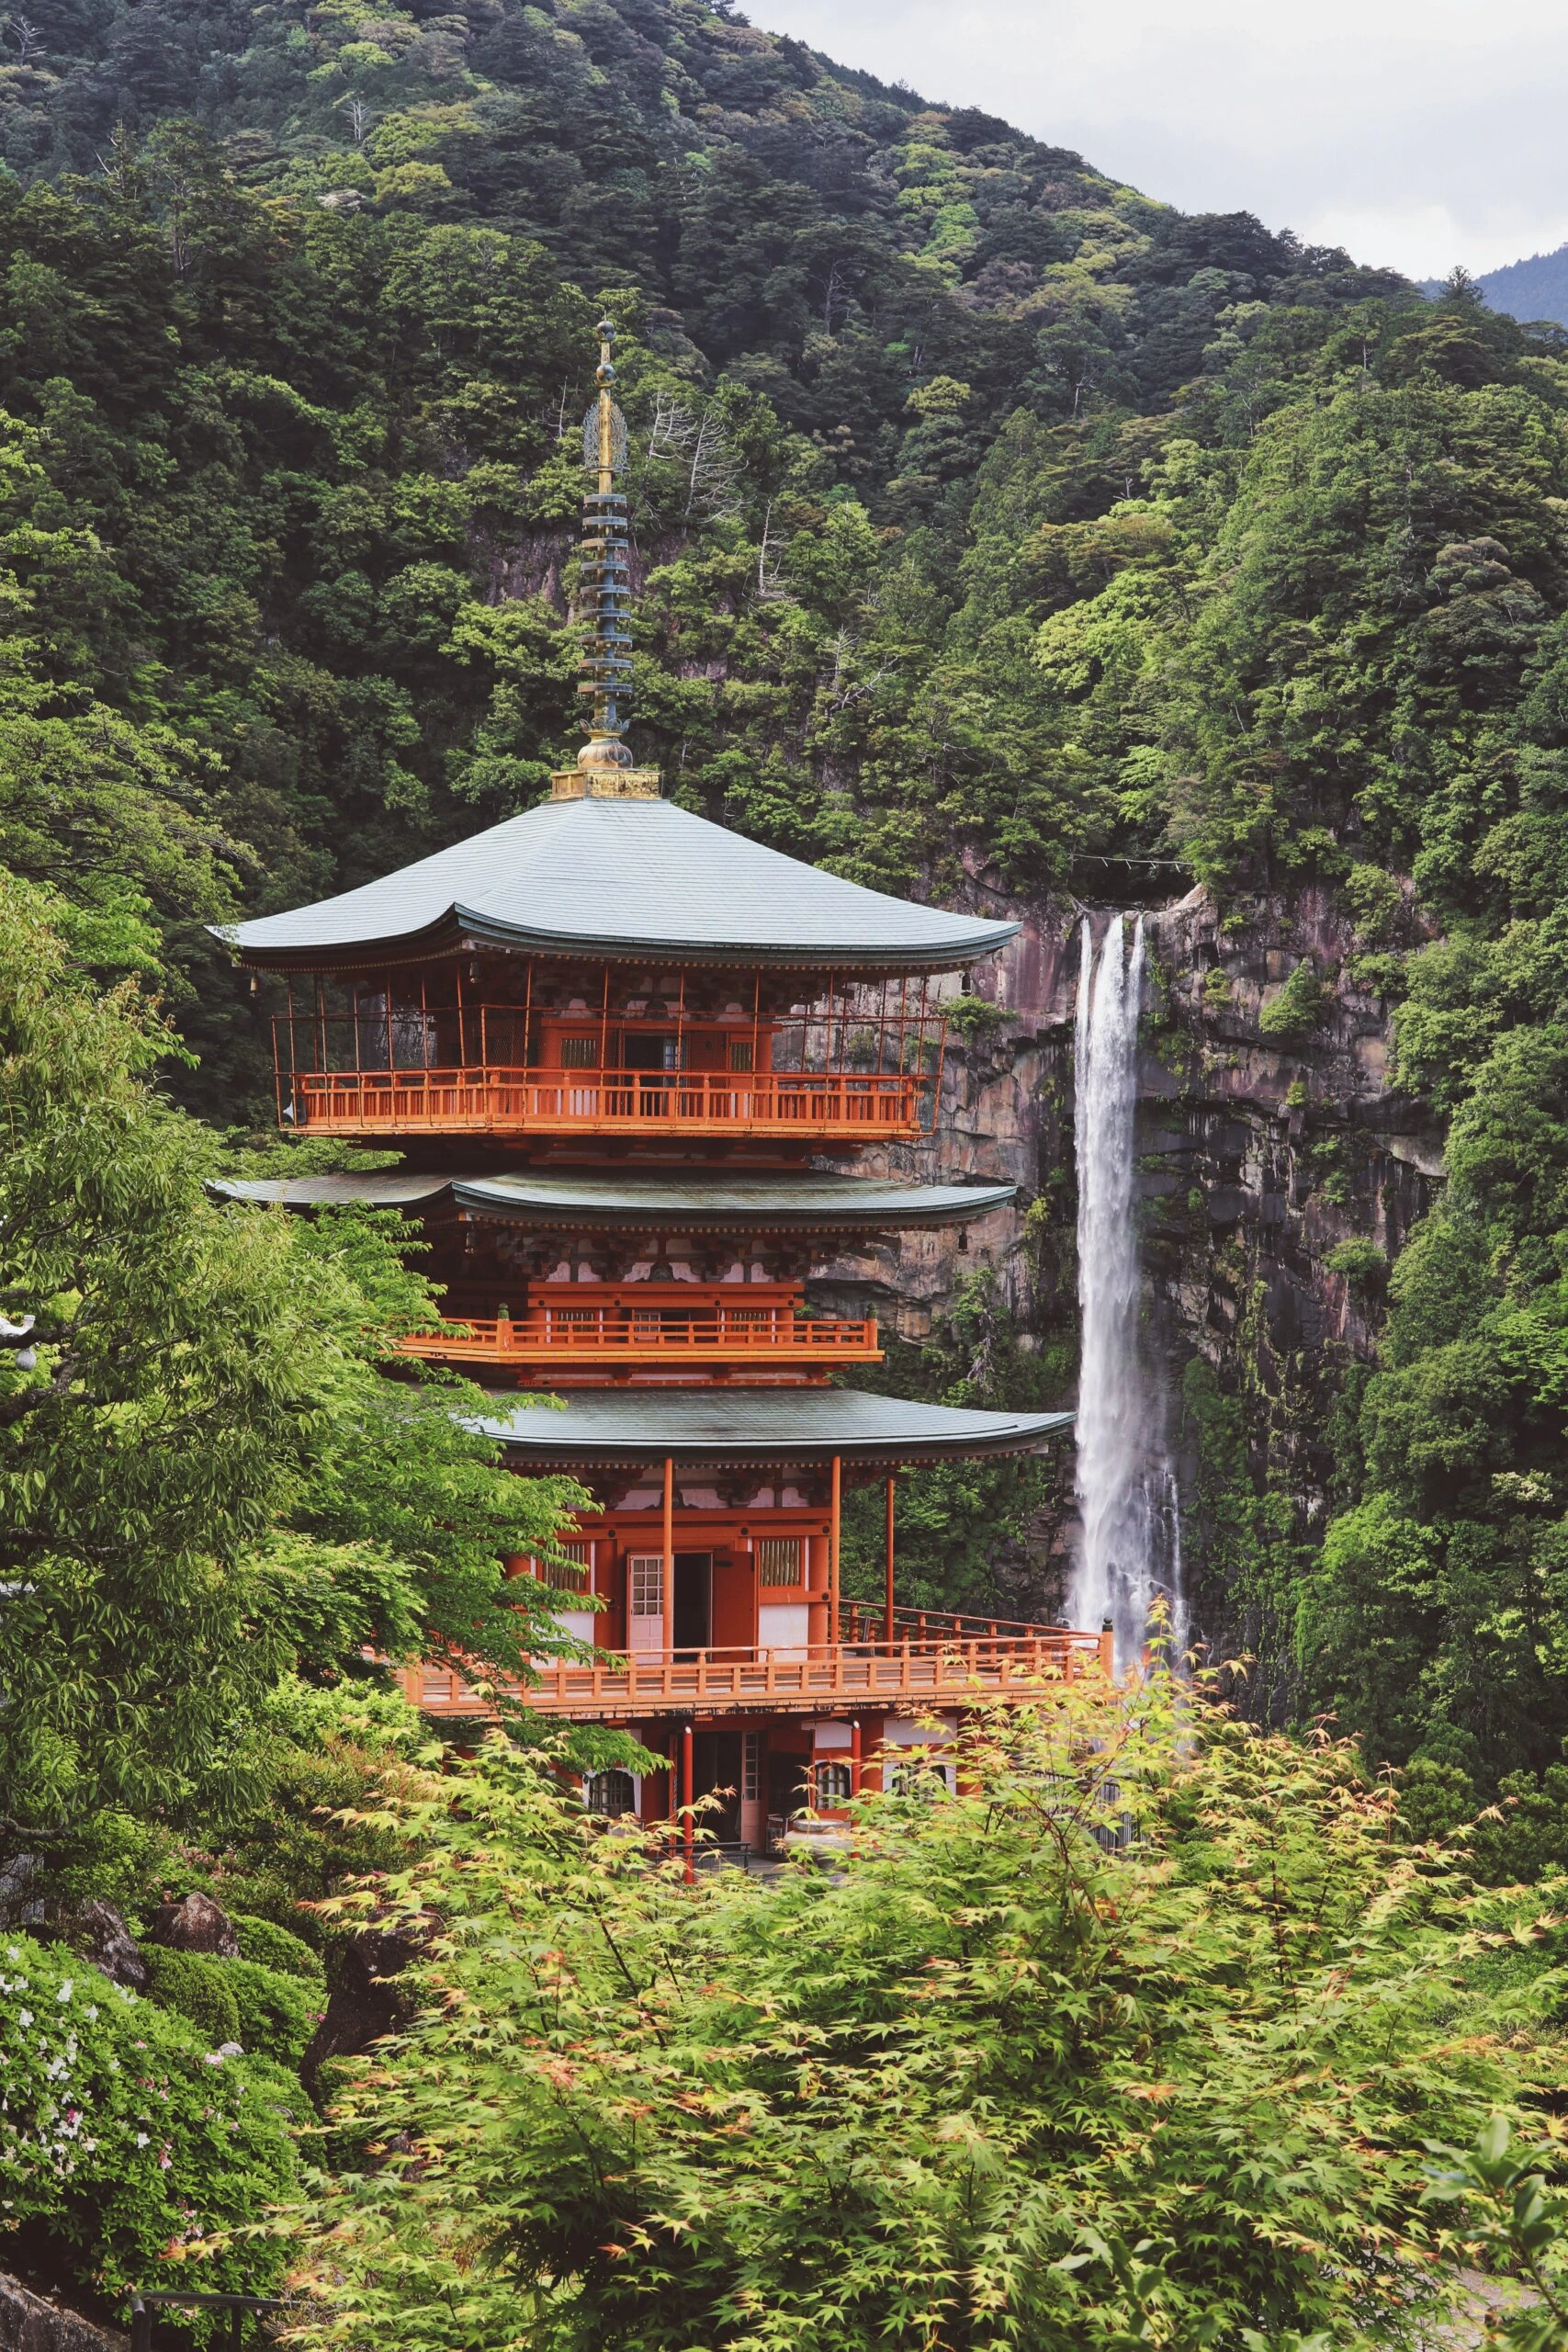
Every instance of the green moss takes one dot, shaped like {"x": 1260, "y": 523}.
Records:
{"x": 263, "y": 2010}
{"x": 277, "y": 2014}
{"x": 194, "y": 1986}
{"x": 276, "y": 1948}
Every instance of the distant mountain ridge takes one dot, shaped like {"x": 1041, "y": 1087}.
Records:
{"x": 1527, "y": 291}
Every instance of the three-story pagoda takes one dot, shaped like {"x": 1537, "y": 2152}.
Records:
{"x": 613, "y": 1041}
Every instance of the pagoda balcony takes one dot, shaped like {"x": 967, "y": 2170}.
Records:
{"x": 1027, "y": 1665}
{"x": 807, "y": 1108}
{"x": 627, "y": 1331}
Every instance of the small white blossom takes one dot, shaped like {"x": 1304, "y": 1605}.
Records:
{"x": 141, "y": 2139}
{"x": 24, "y": 2017}
{"x": 66, "y": 1989}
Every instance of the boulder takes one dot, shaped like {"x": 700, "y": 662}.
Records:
{"x": 31, "y": 2322}
{"x": 103, "y": 1939}
{"x": 196, "y": 1924}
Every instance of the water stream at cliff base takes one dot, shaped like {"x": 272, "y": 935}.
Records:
{"x": 1130, "y": 1548}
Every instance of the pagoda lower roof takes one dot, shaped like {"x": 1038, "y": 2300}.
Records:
{"x": 822, "y": 1202}
{"x": 737, "y": 1427}
{"x": 637, "y": 879}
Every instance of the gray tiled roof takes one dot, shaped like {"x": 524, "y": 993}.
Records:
{"x": 387, "y": 1189}
{"x": 698, "y": 1427}
{"x": 830, "y": 1203}
{"x": 627, "y": 877}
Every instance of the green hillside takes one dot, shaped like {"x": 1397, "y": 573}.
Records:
{"x": 995, "y": 526}
{"x": 297, "y": 316}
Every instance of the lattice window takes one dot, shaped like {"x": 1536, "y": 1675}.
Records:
{"x": 645, "y": 1583}
{"x": 611, "y": 1793}
{"x": 740, "y": 1053}
{"x": 580, "y": 1053}
{"x": 578, "y": 1577}
{"x": 779, "y": 1560}
{"x": 832, "y": 1784}
{"x": 750, "y": 1766}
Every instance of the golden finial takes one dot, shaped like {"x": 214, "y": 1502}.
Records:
{"x": 604, "y": 767}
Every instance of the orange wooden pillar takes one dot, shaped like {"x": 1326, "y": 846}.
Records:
{"x": 833, "y": 1549}
{"x": 667, "y": 1597}
{"x": 688, "y": 1832}
{"x": 854, "y": 1756}
{"x": 887, "y": 1610}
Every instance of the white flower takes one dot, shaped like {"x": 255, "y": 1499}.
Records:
{"x": 141, "y": 2139}
{"x": 92, "y": 2012}
{"x": 24, "y": 2017}
{"x": 65, "y": 1991}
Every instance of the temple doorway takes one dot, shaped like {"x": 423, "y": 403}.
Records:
{"x": 693, "y": 1600}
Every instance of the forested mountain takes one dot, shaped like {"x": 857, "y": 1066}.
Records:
{"x": 998, "y": 530}
{"x": 989, "y": 516}
{"x": 1534, "y": 288}
{"x": 296, "y": 317}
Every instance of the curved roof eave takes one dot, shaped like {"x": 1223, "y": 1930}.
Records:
{"x": 464, "y": 927}
{"x": 640, "y": 880}
{"x": 636, "y": 1429}
{"x": 825, "y": 1204}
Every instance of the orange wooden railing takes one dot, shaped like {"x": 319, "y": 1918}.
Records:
{"x": 884, "y": 1675}
{"x": 553, "y": 1101}
{"x": 565, "y": 1337}
{"x": 861, "y": 1621}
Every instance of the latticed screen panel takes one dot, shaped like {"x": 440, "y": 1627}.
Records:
{"x": 577, "y": 1575}
{"x": 779, "y": 1560}
{"x": 580, "y": 1053}
{"x": 645, "y": 1578}
{"x": 611, "y": 1793}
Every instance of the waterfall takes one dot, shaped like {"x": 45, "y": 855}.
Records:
{"x": 1128, "y": 1503}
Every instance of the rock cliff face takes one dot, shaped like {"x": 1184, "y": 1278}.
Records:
{"x": 1281, "y": 1172}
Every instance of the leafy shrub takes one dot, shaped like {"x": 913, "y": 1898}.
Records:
{"x": 277, "y": 2014}
{"x": 123, "y": 2133}
{"x": 1295, "y": 1013}
{"x": 195, "y": 1986}
{"x": 240, "y": 2000}
{"x": 1374, "y": 898}
{"x": 279, "y": 1948}
{"x": 989, "y": 2083}
{"x": 976, "y": 1019}
{"x": 1363, "y": 1265}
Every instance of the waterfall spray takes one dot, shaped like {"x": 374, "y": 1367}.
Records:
{"x": 1126, "y": 1487}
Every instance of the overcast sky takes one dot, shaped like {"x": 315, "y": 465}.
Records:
{"x": 1417, "y": 132}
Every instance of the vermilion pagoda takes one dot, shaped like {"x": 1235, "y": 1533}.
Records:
{"x": 613, "y": 1040}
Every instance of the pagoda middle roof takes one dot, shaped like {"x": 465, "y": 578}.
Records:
{"x": 824, "y": 1201}
{"x": 638, "y": 880}
{"x": 717, "y": 1429}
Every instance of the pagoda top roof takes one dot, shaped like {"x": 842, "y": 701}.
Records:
{"x": 637, "y": 879}
{"x": 717, "y": 1429}
{"x": 823, "y": 1202}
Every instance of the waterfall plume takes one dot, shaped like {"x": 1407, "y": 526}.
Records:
{"x": 1129, "y": 1551}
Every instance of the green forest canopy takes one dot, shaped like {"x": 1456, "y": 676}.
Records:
{"x": 985, "y": 511}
